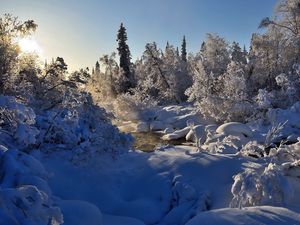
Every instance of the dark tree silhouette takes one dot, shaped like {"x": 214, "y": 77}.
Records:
{"x": 125, "y": 57}
{"x": 183, "y": 50}
{"x": 97, "y": 68}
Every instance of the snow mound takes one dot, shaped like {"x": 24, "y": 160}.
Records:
{"x": 263, "y": 215}
{"x": 80, "y": 213}
{"x": 234, "y": 128}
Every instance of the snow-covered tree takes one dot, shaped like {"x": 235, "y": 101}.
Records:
{"x": 81, "y": 76}
{"x": 215, "y": 54}
{"x": 224, "y": 98}
{"x": 10, "y": 30}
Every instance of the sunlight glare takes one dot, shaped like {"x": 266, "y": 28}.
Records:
{"x": 30, "y": 45}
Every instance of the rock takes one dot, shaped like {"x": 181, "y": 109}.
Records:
{"x": 142, "y": 127}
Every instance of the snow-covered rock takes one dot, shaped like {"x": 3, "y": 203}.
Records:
{"x": 176, "y": 134}
{"x": 169, "y": 130}
{"x": 211, "y": 128}
{"x": 142, "y": 127}
{"x": 234, "y": 128}
{"x": 158, "y": 125}
{"x": 196, "y": 133}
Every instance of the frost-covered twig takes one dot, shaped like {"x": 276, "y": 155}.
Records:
{"x": 273, "y": 133}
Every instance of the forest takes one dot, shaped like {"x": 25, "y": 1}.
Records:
{"x": 171, "y": 138}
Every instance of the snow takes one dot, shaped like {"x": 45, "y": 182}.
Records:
{"x": 264, "y": 215}
{"x": 80, "y": 213}
{"x": 147, "y": 187}
{"x": 98, "y": 182}
{"x": 120, "y": 220}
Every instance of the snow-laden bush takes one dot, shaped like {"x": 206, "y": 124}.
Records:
{"x": 259, "y": 185}
{"x": 286, "y": 153}
{"x": 81, "y": 126}
{"x": 230, "y": 144}
{"x": 17, "y": 120}
{"x": 253, "y": 149}
{"x": 26, "y": 205}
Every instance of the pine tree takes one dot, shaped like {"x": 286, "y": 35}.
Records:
{"x": 125, "y": 58}
{"x": 202, "y": 50}
{"x": 183, "y": 50}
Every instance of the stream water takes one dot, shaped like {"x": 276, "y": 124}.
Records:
{"x": 148, "y": 141}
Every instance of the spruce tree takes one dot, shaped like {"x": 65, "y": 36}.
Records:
{"x": 237, "y": 55}
{"x": 125, "y": 58}
{"x": 167, "y": 46}
{"x": 183, "y": 50}
{"x": 97, "y": 68}
{"x": 177, "y": 52}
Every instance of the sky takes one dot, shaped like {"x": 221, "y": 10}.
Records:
{"x": 81, "y": 31}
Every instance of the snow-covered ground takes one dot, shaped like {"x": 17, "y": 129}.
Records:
{"x": 234, "y": 174}
{"x": 174, "y": 186}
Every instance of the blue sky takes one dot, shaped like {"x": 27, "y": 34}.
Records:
{"x": 82, "y": 31}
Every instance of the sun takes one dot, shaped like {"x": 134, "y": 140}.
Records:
{"x": 30, "y": 45}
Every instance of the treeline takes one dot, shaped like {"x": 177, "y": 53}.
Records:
{"x": 225, "y": 81}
